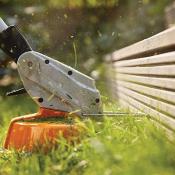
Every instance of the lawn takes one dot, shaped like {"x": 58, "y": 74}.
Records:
{"x": 115, "y": 145}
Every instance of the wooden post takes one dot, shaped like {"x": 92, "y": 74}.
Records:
{"x": 170, "y": 15}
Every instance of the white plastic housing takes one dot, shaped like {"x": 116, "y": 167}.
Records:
{"x": 3, "y": 26}
{"x": 57, "y": 86}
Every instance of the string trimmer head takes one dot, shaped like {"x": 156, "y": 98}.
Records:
{"x": 58, "y": 89}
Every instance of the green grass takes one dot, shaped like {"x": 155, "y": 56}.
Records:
{"x": 117, "y": 145}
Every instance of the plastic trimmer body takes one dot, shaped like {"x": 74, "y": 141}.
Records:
{"x": 58, "y": 89}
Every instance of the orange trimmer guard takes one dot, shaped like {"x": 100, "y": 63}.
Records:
{"x": 26, "y": 134}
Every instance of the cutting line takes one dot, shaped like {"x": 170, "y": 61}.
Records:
{"x": 117, "y": 114}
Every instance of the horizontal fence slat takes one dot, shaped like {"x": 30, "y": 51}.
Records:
{"x": 166, "y": 58}
{"x": 167, "y": 121}
{"x": 156, "y": 42}
{"x": 165, "y": 108}
{"x": 169, "y": 132}
{"x": 163, "y": 95}
{"x": 127, "y": 106}
{"x": 168, "y": 70}
{"x": 163, "y": 83}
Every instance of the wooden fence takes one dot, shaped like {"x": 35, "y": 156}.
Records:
{"x": 142, "y": 76}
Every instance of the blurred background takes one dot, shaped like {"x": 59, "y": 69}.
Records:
{"x": 80, "y": 32}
